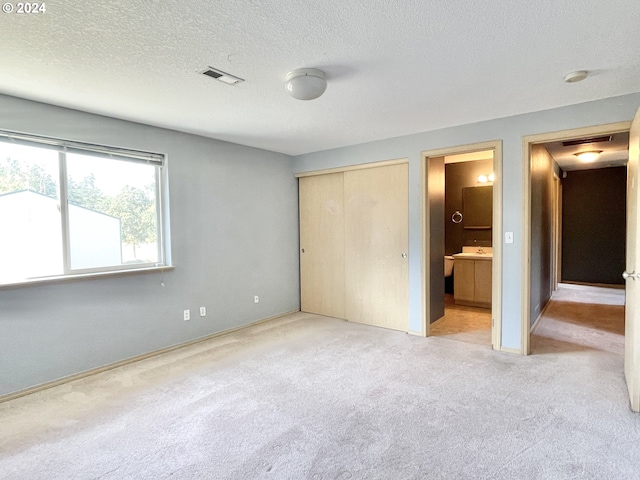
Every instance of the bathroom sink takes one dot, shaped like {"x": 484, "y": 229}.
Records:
{"x": 474, "y": 255}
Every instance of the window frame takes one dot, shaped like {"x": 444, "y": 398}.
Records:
{"x": 63, "y": 147}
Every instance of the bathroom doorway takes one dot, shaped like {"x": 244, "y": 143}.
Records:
{"x": 462, "y": 243}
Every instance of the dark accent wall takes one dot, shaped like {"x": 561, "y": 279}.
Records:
{"x": 457, "y": 177}
{"x": 594, "y": 225}
{"x": 541, "y": 230}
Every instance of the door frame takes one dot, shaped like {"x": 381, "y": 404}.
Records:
{"x": 556, "y": 270}
{"x": 496, "y": 288}
{"x": 527, "y": 142}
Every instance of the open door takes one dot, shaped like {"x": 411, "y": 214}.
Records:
{"x": 632, "y": 273}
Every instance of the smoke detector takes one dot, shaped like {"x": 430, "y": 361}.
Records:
{"x": 576, "y": 76}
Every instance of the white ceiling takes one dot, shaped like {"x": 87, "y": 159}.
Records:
{"x": 394, "y": 67}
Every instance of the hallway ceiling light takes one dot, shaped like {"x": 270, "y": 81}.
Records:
{"x": 588, "y": 157}
{"x": 306, "y": 83}
{"x": 576, "y": 76}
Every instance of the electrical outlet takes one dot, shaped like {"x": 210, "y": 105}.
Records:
{"x": 203, "y": 311}
{"x": 256, "y": 299}
{"x": 187, "y": 315}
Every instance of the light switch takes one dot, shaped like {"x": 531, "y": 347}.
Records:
{"x": 508, "y": 237}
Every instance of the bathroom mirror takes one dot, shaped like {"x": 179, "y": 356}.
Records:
{"x": 478, "y": 207}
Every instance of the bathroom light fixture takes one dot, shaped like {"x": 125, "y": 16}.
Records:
{"x": 305, "y": 83}
{"x": 576, "y": 76}
{"x": 588, "y": 157}
{"x": 486, "y": 178}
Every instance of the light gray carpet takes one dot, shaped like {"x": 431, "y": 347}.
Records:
{"x": 308, "y": 397}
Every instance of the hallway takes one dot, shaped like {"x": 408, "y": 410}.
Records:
{"x": 580, "y": 317}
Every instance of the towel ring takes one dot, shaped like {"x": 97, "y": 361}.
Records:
{"x": 456, "y": 217}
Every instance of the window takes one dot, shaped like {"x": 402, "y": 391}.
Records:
{"x": 68, "y": 209}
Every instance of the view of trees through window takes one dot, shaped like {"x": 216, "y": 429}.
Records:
{"x": 16, "y": 175}
{"x": 121, "y": 189}
{"x": 111, "y": 212}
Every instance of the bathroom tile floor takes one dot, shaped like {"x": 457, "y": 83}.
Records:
{"x": 464, "y": 324}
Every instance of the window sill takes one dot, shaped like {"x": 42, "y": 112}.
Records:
{"x": 84, "y": 276}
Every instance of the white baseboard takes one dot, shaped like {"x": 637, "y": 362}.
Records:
{"x": 76, "y": 376}
{"x": 535, "y": 324}
{"x": 515, "y": 351}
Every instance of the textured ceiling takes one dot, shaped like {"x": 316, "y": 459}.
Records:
{"x": 394, "y": 67}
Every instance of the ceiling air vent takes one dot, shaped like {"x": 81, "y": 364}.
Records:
{"x": 221, "y": 76}
{"x": 573, "y": 143}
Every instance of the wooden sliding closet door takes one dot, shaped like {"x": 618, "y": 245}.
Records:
{"x": 376, "y": 245}
{"x": 322, "y": 281}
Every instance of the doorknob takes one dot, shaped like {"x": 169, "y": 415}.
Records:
{"x": 404, "y": 255}
{"x": 631, "y": 275}
{"x": 303, "y": 250}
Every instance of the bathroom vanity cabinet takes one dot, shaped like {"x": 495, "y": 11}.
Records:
{"x": 472, "y": 279}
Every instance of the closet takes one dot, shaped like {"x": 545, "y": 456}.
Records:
{"x": 354, "y": 244}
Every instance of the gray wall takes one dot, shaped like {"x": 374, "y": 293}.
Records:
{"x": 234, "y": 226}
{"x": 234, "y": 234}
{"x": 510, "y": 130}
{"x": 594, "y": 225}
{"x": 542, "y": 167}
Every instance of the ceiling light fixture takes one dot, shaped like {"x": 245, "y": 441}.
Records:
{"x": 576, "y": 76}
{"x": 588, "y": 157}
{"x": 305, "y": 83}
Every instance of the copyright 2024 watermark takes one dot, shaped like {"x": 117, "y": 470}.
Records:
{"x": 29, "y": 8}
